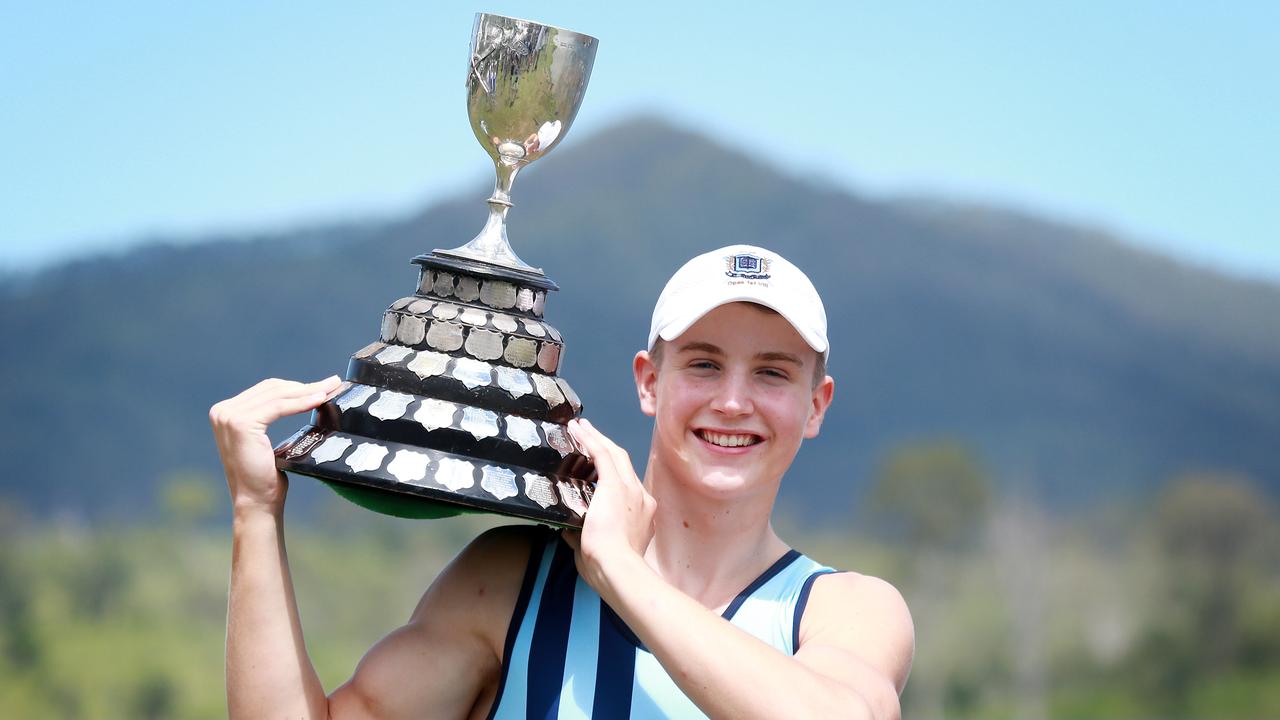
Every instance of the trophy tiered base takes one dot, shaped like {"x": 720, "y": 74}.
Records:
{"x": 456, "y": 407}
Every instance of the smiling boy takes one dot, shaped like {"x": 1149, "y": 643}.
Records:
{"x": 676, "y": 599}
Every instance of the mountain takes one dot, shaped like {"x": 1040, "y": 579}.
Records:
{"x": 1077, "y": 366}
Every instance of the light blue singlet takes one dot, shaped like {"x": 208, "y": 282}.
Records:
{"x": 568, "y": 655}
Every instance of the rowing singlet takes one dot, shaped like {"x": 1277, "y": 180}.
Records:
{"x": 568, "y": 655}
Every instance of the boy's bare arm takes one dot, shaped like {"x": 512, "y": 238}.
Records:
{"x": 856, "y": 639}
{"x": 448, "y": 656}
{"x": 267, "y": 663}
{"x": 451, "y": 638}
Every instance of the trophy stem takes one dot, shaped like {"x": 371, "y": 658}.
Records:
{"x": 506, "y": 171}
{"x": 491, "y": 244}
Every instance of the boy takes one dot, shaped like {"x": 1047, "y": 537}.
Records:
{"x": 676, "y": 599}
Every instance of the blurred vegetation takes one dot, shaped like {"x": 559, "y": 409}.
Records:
{"x": 1165, "y": 608}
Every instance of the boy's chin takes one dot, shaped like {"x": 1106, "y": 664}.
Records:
{"x": 725, "y": 484}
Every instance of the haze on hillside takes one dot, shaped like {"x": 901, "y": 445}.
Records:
{"x": 1076, "y": 366}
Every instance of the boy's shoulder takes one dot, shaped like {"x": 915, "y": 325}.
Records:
{"x": 450, "y": 652}
{"x": 480, "y": 585}
{"x": 499, "y": 554}
{"x": 864, "y": 616}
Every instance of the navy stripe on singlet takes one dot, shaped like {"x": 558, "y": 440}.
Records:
{"x": 774, "y": 569}
{"x": 800, "y": 603}
{"x": 522, "y": 603}
{"x": 615, "y": 668}
{"x": 551, "y": 636}
{"x": 778, "y": 566}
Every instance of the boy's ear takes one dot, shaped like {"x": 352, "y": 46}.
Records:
{"x": 646, "y": 374}
{"x": 821, "y": 400}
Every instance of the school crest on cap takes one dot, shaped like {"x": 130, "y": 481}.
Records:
{"x": 747, "y": 266}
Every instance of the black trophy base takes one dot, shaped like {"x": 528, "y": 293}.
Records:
{"x": 456, "y": 407}
{"x": 410, "y": 481}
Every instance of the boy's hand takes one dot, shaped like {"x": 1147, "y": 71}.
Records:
{"x": 240, "y": 429}
{"x": 620, "y": 519}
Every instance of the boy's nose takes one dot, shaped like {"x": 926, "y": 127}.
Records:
{"x": 733, "y": 396}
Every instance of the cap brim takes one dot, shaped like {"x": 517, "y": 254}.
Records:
{"x": 677, "y": 327}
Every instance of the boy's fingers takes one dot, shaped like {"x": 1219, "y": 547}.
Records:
{"x": 274, "y": 388}
{"x": 602, "y": 445}
{"x": 584, "y": 436}
{"x": 272, "y": 411}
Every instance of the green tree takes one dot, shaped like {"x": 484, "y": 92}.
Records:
{"x": 935, "y": 496}
{"x": 1216, "y": 537}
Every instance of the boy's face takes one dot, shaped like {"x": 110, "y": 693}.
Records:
{"x": 732, "y": 400}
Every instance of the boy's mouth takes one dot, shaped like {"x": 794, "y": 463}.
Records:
{"x": 728, "y": 440}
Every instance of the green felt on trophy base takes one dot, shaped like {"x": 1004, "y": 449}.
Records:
{"x": 396, "y": 504}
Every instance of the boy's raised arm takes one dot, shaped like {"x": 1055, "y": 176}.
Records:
{"x": 436, "y": 665}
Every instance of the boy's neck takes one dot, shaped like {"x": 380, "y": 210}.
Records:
{"x": 708, "y": 548}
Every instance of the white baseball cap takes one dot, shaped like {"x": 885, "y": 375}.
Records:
{"x": 740, "y": 273}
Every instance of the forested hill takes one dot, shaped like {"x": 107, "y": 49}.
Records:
{"x": 1074, "y": 365}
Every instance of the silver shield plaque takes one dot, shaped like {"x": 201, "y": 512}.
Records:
{"x": 547, "y": 389}
{"x": 515, "y": 382}
{"x": 355, "y": 397}
{"x": 523, "y": 431}
{"x": 558, "y": 438}
{"x": 445, "y": 336}
{"x": 330, "y": 449}
{"x": 390, "y": 405}
{"x": 434, "y": 414}
{"x": 472, "y": 373}
{"x": 472, "y": 316}
{"x": 572, "y": 497}
{"x": 412, "y": 330}
{"x": 484, "y": 344}
{"x": 455, "y": 474}
{"x": 468, "y": 288}
{"x": 499, "y": 482}
{"x": 390, "y": 322}
{"x": 409, "y": 466}
{"x": 498, "y": 294}
{"x": 479, "y": 423}
{"x": 393, "y": 354}
{"x": 521, "y": 352}
{"x": 428, "y": 364}
{"x": 505, "y": 323}
{"x": 367, "y": 457}
{"x": 445, "y": 311}
{"x": 549, "y": 357}
{"x": 539, "y": 489}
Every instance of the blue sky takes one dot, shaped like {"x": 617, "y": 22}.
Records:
{"x": 124, "y": 120}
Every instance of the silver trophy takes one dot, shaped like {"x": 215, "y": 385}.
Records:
{"x": 458, "y": 405}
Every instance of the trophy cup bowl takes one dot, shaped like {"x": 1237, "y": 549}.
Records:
{"x": 458, "y": 406}
{"x": 524, "y": 87}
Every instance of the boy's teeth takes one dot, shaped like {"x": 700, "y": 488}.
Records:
{"x": 725, "y": 440}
